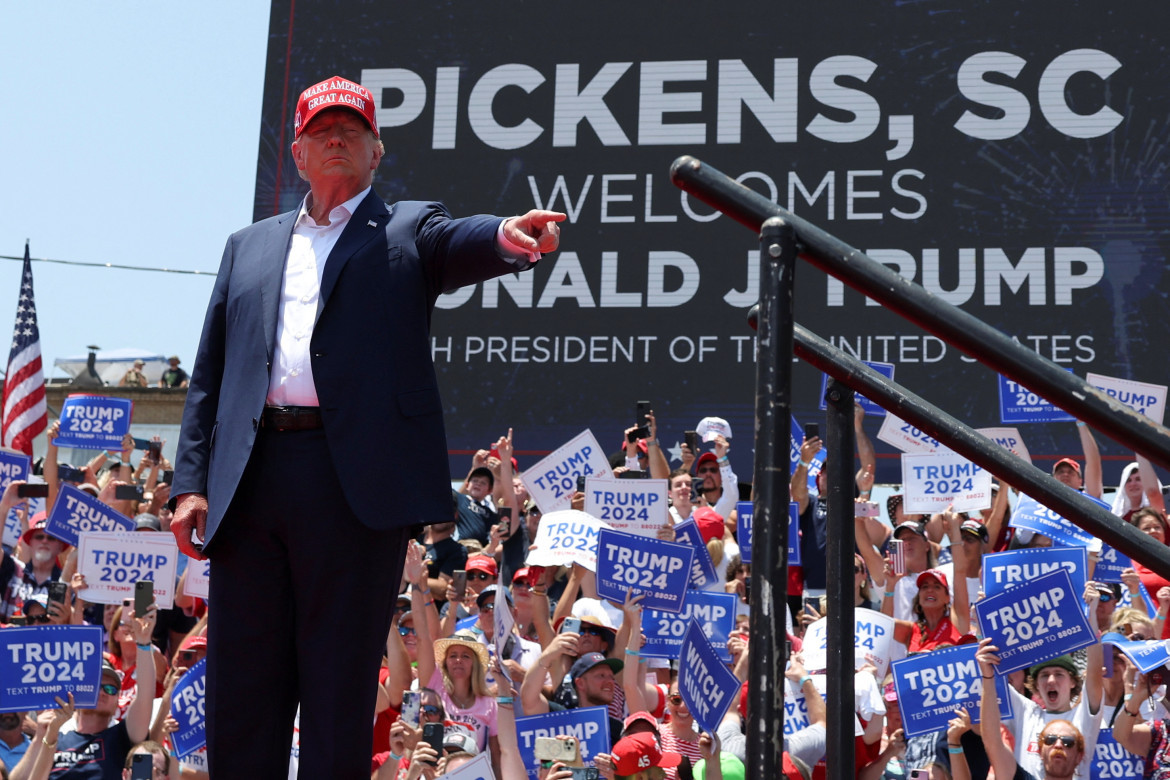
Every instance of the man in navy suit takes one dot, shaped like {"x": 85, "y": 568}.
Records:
{"x": 275, "y": 480}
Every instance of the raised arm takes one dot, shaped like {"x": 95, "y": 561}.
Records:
{"x": 1003, "y": 761}
{"x": 1134, "y": 734}
{"x": 798, "y": 485}
{"x": 138, "y": 715}
{"x": 1093, "y": 484}
{"x": 961, "y": 600}
{"x": 659, "y": 467}
{"x": 1150, "y": 484}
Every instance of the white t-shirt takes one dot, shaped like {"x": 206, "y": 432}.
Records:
{"x": 1031, "y": 718}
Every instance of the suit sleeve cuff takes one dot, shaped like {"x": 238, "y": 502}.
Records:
{"x": 512, "y": 254}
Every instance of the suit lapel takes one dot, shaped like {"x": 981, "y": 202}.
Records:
{"x": 272, "y": 273}
{"x": 368, "y": 221}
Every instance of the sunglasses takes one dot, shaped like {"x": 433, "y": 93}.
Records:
{"x": 431, "y": 709}
{"x": 522, "y": 585}
{"x": 36, "y": 618}
{"x": 109, "y": 689}
{"x": 186, "y": 655}
{"x": 405, "y": 630}
{"x": 592, "y": 631}
{"x": 707, "y": 471}
{"x": 858, "y": 570}
{"x": 488, "y": 607}
{"x": 1067, "y": 741}
{"x": 674, "y": 699}
{"x": 1104, "y": 597}
{"x": 478, "y": 575}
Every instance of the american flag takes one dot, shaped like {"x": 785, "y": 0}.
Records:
{"x": 25, "y": 414}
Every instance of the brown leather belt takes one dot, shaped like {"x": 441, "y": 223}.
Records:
{"x": 291, "y": 418}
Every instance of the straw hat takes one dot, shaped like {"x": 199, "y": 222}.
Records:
{"x": 466, "y": 639}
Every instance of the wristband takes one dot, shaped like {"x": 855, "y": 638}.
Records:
{"x": 954, "y": 751}
{"x": 651, "y": 442}
{"x": 806, "y": 463}
{"x": 504, "y": 700}
{"x": 723, "y": 460}
{"x": 632, "y": 652}
{"x": 889, "y": 594}
{"x": 865, "y": 493}
{"x": 47, "y": 743}
{"x": 145, "y": 648}
{"x": 1080, "y": 424}
{"x": 985, "y": 677}
{"x": 805, "y": 679}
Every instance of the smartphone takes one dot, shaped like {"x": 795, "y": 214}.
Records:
{"x": 919, "y": 774}
{"x": 897, "y": 557}
{"x": 57, "y": 591}
{"x": 813, "y": 602}
{"x": 641, "y": 409}
{"x": 411, "y": 707}
{"x": 143, "y": 766}
{"x": 580, "y": 483}
{"x": 553, "y": 749}
{"x": 17, "y": 620}
{"x": 691, "y": 439}
{"x": 128, "y": 493}
{"x": 812, "y": 431}
{"x": 142, "y": 444}
{"x": 143, "y": 596}
{"x": 634, "y": 475}
{"x": 67, "y": 473}
{"x": 633, "y": 435}
{"x": 459, "y": 582}
{"x": 30, "y": 490}
{"x": 585, "y": 773}
{"x": 505, "y": 513}
{"x": 571, "y": 625}
{"x": 167, "y": 477}
{"x": 787, "y": 649}
{"x": 433, "y": 736}
{"x": 155, "y": 451}
{"x": 865, "y": 509}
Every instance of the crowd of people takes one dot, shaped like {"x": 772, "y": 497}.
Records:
{"x": 566, "y": 648}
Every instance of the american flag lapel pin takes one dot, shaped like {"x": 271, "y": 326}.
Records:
{"x": 372, "y": 223}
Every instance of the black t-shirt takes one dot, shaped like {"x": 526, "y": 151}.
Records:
{"x": 475, "y": 519}
{"x": 173, "y": 377}
{"x": 99, "y": 756}
{"x": 444, "y": 557}
{"x": 814, "y": 534}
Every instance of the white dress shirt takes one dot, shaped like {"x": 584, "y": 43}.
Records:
{"x": 290, "y": 382}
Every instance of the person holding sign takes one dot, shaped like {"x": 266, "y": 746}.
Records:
{"x": 94, "y": 740}
{"x": 1056, "y": 682}
{"x": 1150, "y": 740}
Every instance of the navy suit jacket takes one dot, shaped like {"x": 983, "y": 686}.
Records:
{"x": 370, "y": 353}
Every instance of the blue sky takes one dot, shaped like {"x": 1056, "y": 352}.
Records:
{"x": 130, "y": 135}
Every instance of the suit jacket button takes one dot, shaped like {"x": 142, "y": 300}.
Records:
{"x": 255, "y": 424}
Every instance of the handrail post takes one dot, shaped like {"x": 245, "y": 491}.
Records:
{"x": 839, "y": 581}
{"x": 765, "y": 728}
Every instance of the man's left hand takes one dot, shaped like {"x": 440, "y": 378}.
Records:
{"x": 536, "y": 231}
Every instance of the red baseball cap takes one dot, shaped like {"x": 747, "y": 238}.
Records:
{"x": 932, "y": 574}
{"x": 194, "y": 642}
{"x": 37, "y": 523}
{"x": 334, "y": 92}
{"x": 709, "y": 522}
{"x": 481, "y": 563}
{"x": 705, "y": 458}
{"x": 1067, "y": 462}
{"x": 634, "y": 753}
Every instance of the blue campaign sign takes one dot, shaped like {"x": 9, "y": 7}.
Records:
{"x": 743, "y": 530}
{"x": 77, "y": 512}
{"x": 1110, "y": 564}
{"x": 1146, "y": 655}
{"x": 1111, "y": 761}
{"x": 656, "y": 569}
{"x": 703, "y": 575}
{"x": 714, "y": 612}
{"x": 1034, "y": 516}
{"x": 1018, "y": 404}
{"x": 94, "y": 422}
{"x": 794, "y": 442}
{"x": 590, "y": 725}
{"x": 885, "y": 369}
{"x": 1008, "y": 569}
{"x": 40, "y": 663}
{"x": 932, "y": 685}
{"x": 706, "y": 684}
{"x": 1033, "y": 622}
{"x": 187, "y": 707}
{"x": 13, "y": 466}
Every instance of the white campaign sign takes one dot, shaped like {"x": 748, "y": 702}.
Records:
{"x": 636, "y": 506}
{"x": 1144, "y": 398}
{"x": 933, "y": 481}
{"x": 906, "y": 437}
{"x": 197, "y": 583}
{"x": 1008, "y": 438}
{"x": 112, "y": 561}
{"x": 872, "y": 632}
{"x": 552, "y": 481}
{"x": 565, "y": 538}
{"x": 478, "y": 768}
